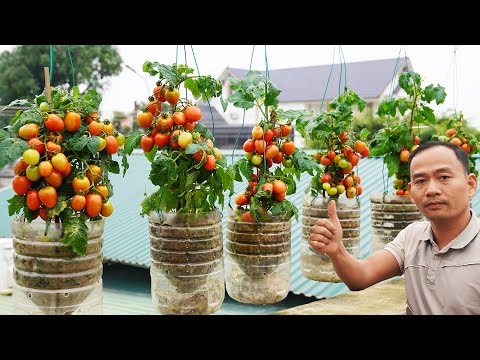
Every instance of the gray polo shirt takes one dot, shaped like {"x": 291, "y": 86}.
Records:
{"x": 437, "y": 281}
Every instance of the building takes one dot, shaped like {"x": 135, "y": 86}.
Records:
{"x": 306, "y": 87}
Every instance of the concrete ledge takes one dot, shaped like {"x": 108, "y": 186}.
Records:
{"x": 386, "y": 298}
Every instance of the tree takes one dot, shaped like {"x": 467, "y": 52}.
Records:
{"x": 22, "y": 76}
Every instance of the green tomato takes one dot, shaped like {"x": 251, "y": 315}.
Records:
{"x": 288, "y": 163}
{"x": 256, "y": 159}
{"x": 31, "y": 156}
{"x": 332, "y": 191}
{"x": 249, "y": 155}
{"x": 44, "y": 107}
{"x": 326, "y": 186}
{"x": 120, "y": 139}
{"x": 196, "y": 136}
{"x": 33, "y": 173}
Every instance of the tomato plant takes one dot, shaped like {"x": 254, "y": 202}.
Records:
{"x": 455, "y": 131}
{"x": 265, "y": 194}
{"x": 396, "y": 140}
{"x": 49, "y": 175}
{"x": 191, "y": 173}
{"x": 340, "y": 152}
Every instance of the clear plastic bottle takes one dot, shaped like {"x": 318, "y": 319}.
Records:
{"x": 49, "y": 278}
{"x": 257, "y": 259}
{"x": 315, "y": 265}
{"x": 187, "y": 262}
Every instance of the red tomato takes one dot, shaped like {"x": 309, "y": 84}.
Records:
{"x": 48, "y": 196}
{"x": 72, "y": 121}
{"x": 147, "y": 143}
{"x": 33, "y": 200}
{"x": 54, "y": 123}
{"x": 112, "y": 145}
{"x": 93, "y": 205}
{"x": 193, "y": 113}
{"x": 37, "y": 144}
{"x": 209, "y": 162}
{"x": 21, "y": 184}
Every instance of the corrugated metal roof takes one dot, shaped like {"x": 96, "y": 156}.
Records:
{"x": 368, "y": 78}
{"x": 126, "y": 233}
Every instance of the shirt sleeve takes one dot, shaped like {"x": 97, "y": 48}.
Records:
{"x": 397, "y": 248}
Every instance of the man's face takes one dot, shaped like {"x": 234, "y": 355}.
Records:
{"x": 439, "y": 185}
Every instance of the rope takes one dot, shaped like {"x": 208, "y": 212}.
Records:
{"x": 455, "y": 81}
{"x": 203, "y": 89}
{"x": 243, "y": 123}
{"x": 328, "y": 80}
{"x": 341, "y": 68}
{"x": 71, "y": 65}
{"x": 51, "y": 63}
{"x": 267, "y": 75}
{"x": 388, "y": 117}
{"x": 176, "y": 56}
{"x": 185, "y": 53}
{"x": 344, "y": 63}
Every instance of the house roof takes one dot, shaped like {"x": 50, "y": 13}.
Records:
{"x": 126, "y": 237}
{"x": 367, "y": 78}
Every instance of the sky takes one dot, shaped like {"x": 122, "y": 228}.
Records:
{"x": 435, "y": 63}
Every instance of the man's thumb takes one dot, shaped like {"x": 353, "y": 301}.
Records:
{"x": 332, "y": 211}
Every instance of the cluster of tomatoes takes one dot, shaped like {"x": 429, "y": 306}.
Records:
{"x": 43, "y": 168}
{"x": 459, "y": 140}
{"x": 175, "y": 130}
{"x": 263, "y": 150}
{"x": 338, "y": 176}
{"x": 400, "y": 183}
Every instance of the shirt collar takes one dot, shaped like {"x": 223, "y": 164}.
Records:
{"x": 463, "y": 239}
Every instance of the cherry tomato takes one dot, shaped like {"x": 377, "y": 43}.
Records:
{"x": 48, "y": 196}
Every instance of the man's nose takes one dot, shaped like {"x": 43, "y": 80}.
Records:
{"x": 433, "y": 188}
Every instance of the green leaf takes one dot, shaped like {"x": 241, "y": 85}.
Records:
{"x": 113, "y": 167}
{"x": 132, "y": 141}
{"x": 163, "y": 171}
{"x": 11, "y": 149}
{"x": 428, "y": 114}
{"x": 17, "y": 102}
{"x": 125, "y": 164}
{"x": 222, "y": 162}
{"x": 76, "y": 234}
{"x": 224, "y": 104}
{"x": 203, "y": 130}
{"x": 271, "y": 97}
{"x": 440, "y": 94}
{"x": 245, "y": 167}
{"x": 3, "y": 135}
{"x": 16, "y": 204}
{"x": 428, "y": 93}
{"x": 191, "y": 178}
{"x": 192, "y": 85}
{"x": 150, "y": 203}
{"x": 305, "y": 163}
{"x": 193, "y": 148}
{"x": 79, "y": 144}
{"x": 403, "y": 106}
{"x": 58, "y": 208}
{"x": 392, "y": 161}
{"x": 29, "y": 214}
{"x": 151, "y": 154}
{"x": 93, "y": 144}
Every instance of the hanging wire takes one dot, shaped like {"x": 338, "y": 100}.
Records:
{"x": 51, "y": 63}
{"x": 455, "y": 81}
{"x": 203, "y": 89}
{"x": 243, "y": 122}
{"x": 176, "y": 56}
{"x": 341, "y": 68}
{"x": 267, "y": 75}
{"x": 321, "y": 107}
{"x": 71, "y": 65}
{"x": 344, "y": 64}
{"x": 392, "y": 83}
{"x": 185, "y": 53}
{"x": 328, "y": 80}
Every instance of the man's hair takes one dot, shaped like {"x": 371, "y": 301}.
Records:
{"x": 461, "y": 154}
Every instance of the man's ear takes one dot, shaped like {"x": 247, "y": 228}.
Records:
{"x": 472, "y": 185}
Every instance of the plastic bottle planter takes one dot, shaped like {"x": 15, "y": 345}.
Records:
{"x": 389, "y": 216}
{"x": 49, "y": 278}
{"x": 317, "y": 266}
{"x": 257, "y": 259}
{"x": 187, "y": 262}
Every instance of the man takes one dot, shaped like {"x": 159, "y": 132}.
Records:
{"x": 440, "y": 258}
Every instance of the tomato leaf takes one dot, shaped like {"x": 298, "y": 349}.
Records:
{"x": 203, "y": 130}
{"x": 79, "y": 144}
{"x": 151, "y": 154}
{"x": 224, "y": 104}
{"x": 305, "y": 163}
{"x": 132, "y": 141}
{"x": 11, "y": 149}
{"x": 58, "y": 208}
{"x": 26, "y": 117}
{"x": 193, "y": 148}
{"x": 113, "y": 167}
{"x": 271, "y": 96}
{"x": 76, "y": 234}
{"x": 29, "y": 214}
{"x": 22, "y": 102}
{"x": 93, "y": 144}
{"x": 16, "y": 204}
{"x": 164, "y": 171}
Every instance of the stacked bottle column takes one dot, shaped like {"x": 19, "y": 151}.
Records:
{"x": 317, "y": 266}
{"x": 49, "y": 278}
{"x": 187, "y": 271}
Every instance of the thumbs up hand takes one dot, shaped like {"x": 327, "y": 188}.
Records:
{"x": 327, "y": 234}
